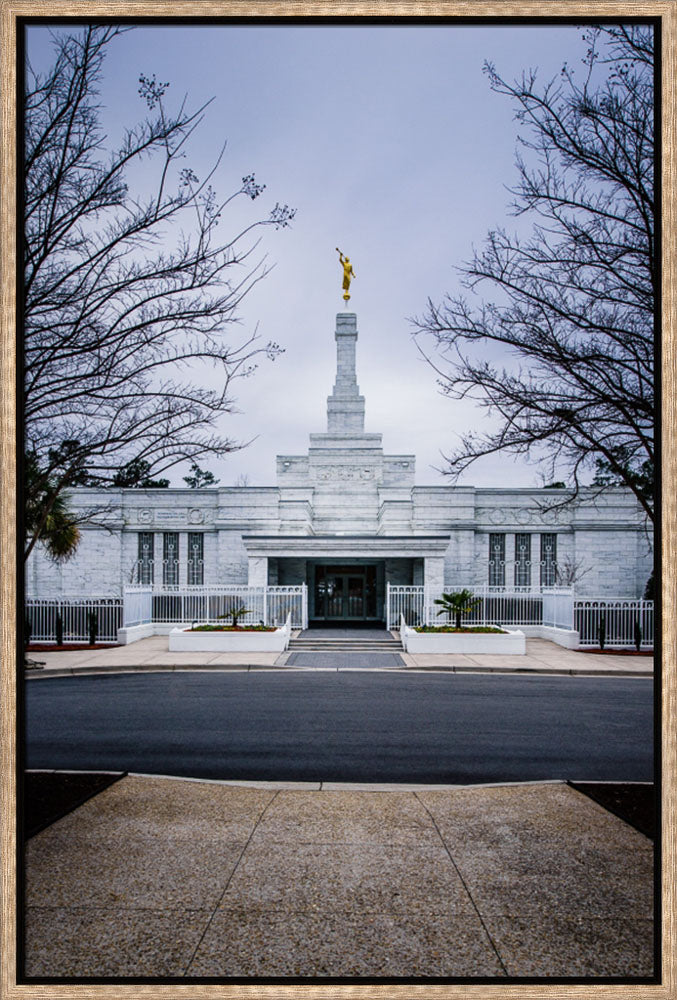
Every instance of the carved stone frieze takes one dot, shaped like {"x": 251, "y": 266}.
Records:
{"x": 344, "y": 473}
{"x": 520, "y": 515}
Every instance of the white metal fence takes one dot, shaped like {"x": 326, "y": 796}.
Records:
{"x": 72, "y": 616}
{"x": 270, "y": 605}
{"x": 624, "y": 622}
{"x": 494, "y": 606}
{"x": 138, "y": 606}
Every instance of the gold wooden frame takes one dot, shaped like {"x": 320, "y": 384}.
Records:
{"x": 10, "y": 11}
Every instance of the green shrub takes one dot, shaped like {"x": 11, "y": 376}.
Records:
{"x": 93, "y": 626}
{"x": 601, "y": 631}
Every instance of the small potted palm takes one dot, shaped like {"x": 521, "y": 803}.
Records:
{"x": 457, "y": 604}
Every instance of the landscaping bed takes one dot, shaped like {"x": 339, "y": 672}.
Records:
{"x": 51, "y": 647}
{"x": 49, "y": 795}
{"x": 216, "y": 637}
{"x": 475, "y": 640}
{"x": 231, "y": 628}
{"x": 446, "y": 629}
{"x": 631, "y": 801}
{"x": 614, "y": 652}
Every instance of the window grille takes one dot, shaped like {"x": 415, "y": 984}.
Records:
{"x": 195, "y": 558}
{"x": 548, "y": 560}
{"x": 496, "y": 560}
{"x": 145, "y": 557}
{"x": 170, "y": 559}
{"x": 523, "y": 560}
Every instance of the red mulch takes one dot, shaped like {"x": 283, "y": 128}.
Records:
{"x": 615, "y": 652}
{"x": 51, "y": 647}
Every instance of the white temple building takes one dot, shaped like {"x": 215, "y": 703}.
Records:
{"x": 346, "y": 519}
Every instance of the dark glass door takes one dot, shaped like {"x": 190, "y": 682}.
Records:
{"x": 355, "y": 596}
{"x": 334, "y": 597}
{"x": 345, "y": 592}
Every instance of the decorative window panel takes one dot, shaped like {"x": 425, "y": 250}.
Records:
{"x": 170, "y": 559}
{"x": 548, "y": 560}
{"x": 522, "y": 560}
{"x": 196, "y": 555}
{"x": 496, "y": 560}
{"x": 145, "y": 557}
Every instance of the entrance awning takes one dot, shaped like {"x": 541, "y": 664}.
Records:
{"x": 346, "y": 546}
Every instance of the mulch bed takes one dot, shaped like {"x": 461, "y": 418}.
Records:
{"x": 51, "y": 647}
{"x": 48, "y": 796}
{"x": 633, "y": 803}
{"x": 615, "y": 652}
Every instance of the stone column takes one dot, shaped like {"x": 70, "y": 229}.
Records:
{"x": 258, "y": 571}
{"x": 433, "y": 573}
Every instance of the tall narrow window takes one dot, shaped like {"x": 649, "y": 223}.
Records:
{"x": 196, "y": 554}
{"x": 170, "y": 559}
{"x": 548, "y": 560}
{"x": 145, "y": 557}
{"x": 522, "y": 560}
{"x": 497, "y": 560}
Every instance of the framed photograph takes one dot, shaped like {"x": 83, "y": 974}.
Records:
{"x": 337, "y": 550}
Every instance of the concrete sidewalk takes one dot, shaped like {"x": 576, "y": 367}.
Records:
{"x": 541, "y": 656}
{"x": 171, "y": 878}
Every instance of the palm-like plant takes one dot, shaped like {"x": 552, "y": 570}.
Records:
{"x": 456, "y": 604}
{"x": 236, "y": 611}
{"x": 47, "y": 513}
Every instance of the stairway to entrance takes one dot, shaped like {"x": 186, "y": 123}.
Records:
{"x": 346, "y": 640}
{"x": 335, "y": 647}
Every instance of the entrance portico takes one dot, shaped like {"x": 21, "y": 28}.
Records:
{"x": 346, "y": 575}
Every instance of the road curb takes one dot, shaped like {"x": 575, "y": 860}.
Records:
{"x": 249, "y": 667}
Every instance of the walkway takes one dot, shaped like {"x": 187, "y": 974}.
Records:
{"x": 153, "y": 654}
{"x": 344, "y": 649}
{"x": 158, "y": 877}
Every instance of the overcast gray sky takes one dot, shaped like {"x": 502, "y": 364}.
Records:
{"x": 390, "y": 145}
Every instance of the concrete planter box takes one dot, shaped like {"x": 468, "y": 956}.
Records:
{"x": 183, "y": 640}
{"x": 510, "y": 642}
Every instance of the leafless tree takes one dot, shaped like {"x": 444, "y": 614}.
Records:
{"x": 131, "y": 289}
{"x": 561, "y": 349}
{"x": 570, "y": 571}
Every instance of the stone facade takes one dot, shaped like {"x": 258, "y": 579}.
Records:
{"x": 341, "y": 508}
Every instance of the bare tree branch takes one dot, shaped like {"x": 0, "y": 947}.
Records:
{"x": 569, "y": 309}
{"x": 130, "y": 296}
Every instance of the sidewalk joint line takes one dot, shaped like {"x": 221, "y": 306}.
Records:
{"x": 463, "y": 882}
{"x": 229, "y": 880}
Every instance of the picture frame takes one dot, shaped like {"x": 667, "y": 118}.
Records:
{"x": 11, "y": 13}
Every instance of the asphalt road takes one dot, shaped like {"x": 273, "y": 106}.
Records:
{"x": 441, "y": 728}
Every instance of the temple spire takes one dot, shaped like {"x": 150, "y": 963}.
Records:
{"x": 345, "y": 406}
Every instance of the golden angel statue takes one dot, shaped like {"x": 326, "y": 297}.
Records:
{"x": 348, "y": 273}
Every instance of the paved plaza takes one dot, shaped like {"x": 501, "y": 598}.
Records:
{"x": 153, "y": 653}
{"x": 159, "y": 877}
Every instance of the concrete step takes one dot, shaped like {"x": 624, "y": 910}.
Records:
{"x": 347, "y": 646}
{"x": 344, "y": 642}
